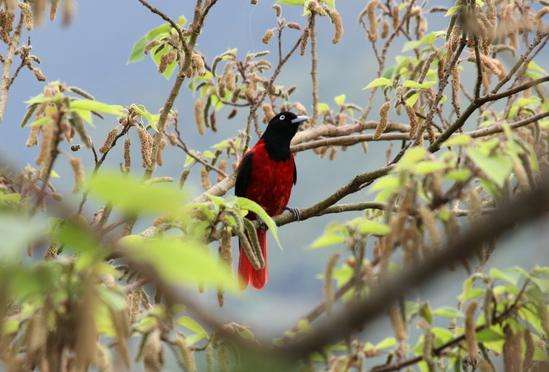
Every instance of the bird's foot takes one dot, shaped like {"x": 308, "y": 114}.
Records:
{"x": 295, "y": 212}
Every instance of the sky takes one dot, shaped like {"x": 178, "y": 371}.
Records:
{"x": 92, "y": 54}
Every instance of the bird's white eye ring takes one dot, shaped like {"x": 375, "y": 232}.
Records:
{"x": 282, "y": 117}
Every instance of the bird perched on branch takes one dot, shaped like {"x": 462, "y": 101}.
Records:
{"x": 266, "y": 175}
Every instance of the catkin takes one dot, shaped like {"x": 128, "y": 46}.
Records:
{"x": 153, "y": 357}
{"x": 397, "y": 323}
{"x": 512, "y": 350}
{"x": 187, "y": 356}
{"x": 198, "y": 64}
{"x": 229, "y": 78}
{"x": 268, "y": 112}
{"x": 413, "y": 120}
{"x": 335, "y": 17}
{"x": 329, "y": 294}
{"x": 67, "y": 12}
{"x": 199, "y": 116}
{"x": 267, "y": 36}
{"x": 372, "y": 19}
{"x": 395, "y": 18}
{"x": 428, "y": 350}
{"x": 102, "y": 358}
{"x": 455, "y": 88}
{"x": 127, "y": 155}
{"x": 277, "y": 9}
{"x": 78, "y": 172}
{"x": 27, "y": 15}
{"x": 225, "y": 257}
{"x": 429, "y": 220}
{"x": 205, "y": 178}
{"x": 146, "y": 141}
{"x": 304, "y": 41}
{"x": 384, "y": 29}
{"x": 159, "y": 160}
{"x": 470, "y": 331}
{"x": 529, "y": 352}
{"x": 32, "y": 140}
{"x": 222, "y": 167}
{"x": 48, "y": 137}
{"x": 294, "y": 26}
{"x": 109, "y": 141}
{"x": 383, "y": 121}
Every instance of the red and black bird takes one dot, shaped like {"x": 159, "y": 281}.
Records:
{"x": 266, "y": 175}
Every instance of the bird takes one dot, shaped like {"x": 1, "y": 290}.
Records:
{"x": 266, "y": 174}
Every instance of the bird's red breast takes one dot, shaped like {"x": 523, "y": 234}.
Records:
{"x": 271, "y": 181}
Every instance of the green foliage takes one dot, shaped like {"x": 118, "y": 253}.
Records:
{"x": 133, "y": 196}
{"x": 155, "y": 43}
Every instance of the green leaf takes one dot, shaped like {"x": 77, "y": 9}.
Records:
{"x": 96, "y": 106}
{"x": 365, "y": 226}
{"x": 340, "y": 100}
{"x": 177, "y": 260}
{"x": 442, "y": 335}
{"x": 411, "y": 101}
{"x": 323, "y": 108}
{"x": 411, "y": 157}
{"x": 429, "y": 166}
{"x": 452, "y": 10}
{"x": 447, "y": 312}
{"x": 192, "y": 325}
{"x": 497, "y": 168}
{"x": 508, "y": 277}
{"x": 9, "y": 199}
{"x": 327, "y": 239}
{"x": 138, "y": 49}
{"x": 133, "y": 196}
{"x": 379, "y": 82}
{"x": 252, "y": 206}
{"x": 458, "y": 140}
{"x": 494, "y": 333}
{"x": 458, "y": 175}
{"x": 386, "y": 343}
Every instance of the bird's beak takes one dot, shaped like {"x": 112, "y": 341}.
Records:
{"x": 300, "y": 119}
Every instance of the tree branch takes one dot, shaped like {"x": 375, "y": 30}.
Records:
{"x": 528, "y": 207}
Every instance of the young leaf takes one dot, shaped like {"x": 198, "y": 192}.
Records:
{"x": 96, "y": 106}
{"x": 379, "y": 82}
{"x": 177, "y": 260}
{"x": 252, "y": 206}
{"x": 133, "y": 196}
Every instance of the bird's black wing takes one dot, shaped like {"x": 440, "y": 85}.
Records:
{"x": 243, "y": 174}
{"x": 295, "y": 174}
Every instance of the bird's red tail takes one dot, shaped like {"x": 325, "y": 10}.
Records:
{"x": 247, "y": 273}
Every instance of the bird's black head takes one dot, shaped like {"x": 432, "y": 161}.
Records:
{"x": 280, "y": 131}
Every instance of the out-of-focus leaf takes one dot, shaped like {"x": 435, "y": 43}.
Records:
{"x": 496, "y": 167}
{"x": 330, "y": 237}
{"x": 365, "y": 226}
{"x": 458, "y": 140}
{"x": 133, "y": 196}
{"x": 199, "y": 333}
{"x": 17, "y": 233}
{"x": 411, "y": 157}
{"x": 180, "y": 261}
{"x": 447, "y": 312}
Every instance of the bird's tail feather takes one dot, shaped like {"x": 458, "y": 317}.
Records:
{"x": 247, "y": 273}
